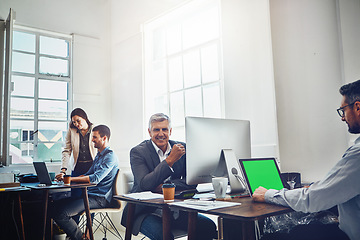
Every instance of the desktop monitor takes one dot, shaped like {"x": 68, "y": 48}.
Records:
{"x": 213, "y": 147}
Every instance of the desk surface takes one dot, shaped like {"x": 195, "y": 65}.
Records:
{"x": 247, "y": 211}
{"x": 57, "y": 186}
{"x": 14, "y": 189}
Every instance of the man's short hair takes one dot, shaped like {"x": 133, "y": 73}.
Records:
{"x": 159, "y": 117}
{"x": 351, "y": 91}
{"x": 103, "y": 131}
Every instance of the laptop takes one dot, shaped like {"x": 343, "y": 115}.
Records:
{"x": 261, "y": 172}
{"x": 43, "y": 174}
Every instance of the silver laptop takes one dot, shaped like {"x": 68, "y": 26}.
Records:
{"x": 261, "y": 172}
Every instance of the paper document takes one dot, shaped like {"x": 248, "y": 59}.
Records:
{"x": 205, "y": 196}
{"x": 204, "y": 187}
{"x": 204, "y": 205}
{"x": 144, "y": 195}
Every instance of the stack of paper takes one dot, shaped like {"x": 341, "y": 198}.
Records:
{"x": 204, "y": 205}
{"x": 144, "y": 195}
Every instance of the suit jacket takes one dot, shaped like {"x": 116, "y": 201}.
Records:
{"x": 72, "y": 141}
{"x": 149, "y": 173}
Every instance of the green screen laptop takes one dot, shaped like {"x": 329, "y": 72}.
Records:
{"x": 261, "y": 172}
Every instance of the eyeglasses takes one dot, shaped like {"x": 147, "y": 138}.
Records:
{"x": 340, "y": 111}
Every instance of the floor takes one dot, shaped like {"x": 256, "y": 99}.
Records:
{"x": 99, "y": 236}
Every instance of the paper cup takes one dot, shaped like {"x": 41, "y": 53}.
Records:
{"x": 168, "y": 192}
{"x": 67, "y": 179}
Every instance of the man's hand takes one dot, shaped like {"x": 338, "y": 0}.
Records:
{"x": 177, "y": 151}
{"x": 60, "y": 176}
{"x": 158, "y": 189}
{"x": 259, "y": 194}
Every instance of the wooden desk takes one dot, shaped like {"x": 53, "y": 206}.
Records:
{"x": 17, "y": 191}
{"x": 246, "y": 213}
{"x": 46, "y": 190}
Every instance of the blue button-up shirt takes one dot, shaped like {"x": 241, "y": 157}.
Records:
{"x": 103, "y": 172}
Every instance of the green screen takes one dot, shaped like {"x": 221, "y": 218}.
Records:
{"x": 262, "y": 173}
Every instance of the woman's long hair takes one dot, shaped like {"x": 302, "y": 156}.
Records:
{"x": 81, "y": 113}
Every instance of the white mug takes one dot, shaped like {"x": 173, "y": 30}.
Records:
{"x": 220, "y": 186}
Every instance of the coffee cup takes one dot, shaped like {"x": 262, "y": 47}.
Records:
{"x": 168, "y": 192}
{"x": 67, "y": 179}
{"x": 220, "y": 185}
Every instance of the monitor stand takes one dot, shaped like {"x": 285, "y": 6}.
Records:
{"x": 226, "y": 165}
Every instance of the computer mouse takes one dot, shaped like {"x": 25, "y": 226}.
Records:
{"x": 41, "y": 185}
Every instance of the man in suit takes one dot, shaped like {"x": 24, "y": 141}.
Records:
{"x": 154, "y": 162}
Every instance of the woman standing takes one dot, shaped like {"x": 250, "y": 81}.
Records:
{"x": 78, "y": 143}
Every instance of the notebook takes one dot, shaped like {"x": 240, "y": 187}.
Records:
{"x": 261, "y": 172}
{"x": 43, "y": 174}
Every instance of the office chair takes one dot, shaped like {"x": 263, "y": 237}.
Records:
{"x": 102, "y": 220}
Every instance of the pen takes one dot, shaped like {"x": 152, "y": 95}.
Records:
{"x": 239, "y": 195}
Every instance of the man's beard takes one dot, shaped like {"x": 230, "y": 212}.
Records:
{"x": 354, "y": 129}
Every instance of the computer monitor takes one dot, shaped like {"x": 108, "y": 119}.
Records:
{"x": 213, "y": 148}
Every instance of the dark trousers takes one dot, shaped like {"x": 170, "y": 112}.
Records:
{"x": 64, "y": 210}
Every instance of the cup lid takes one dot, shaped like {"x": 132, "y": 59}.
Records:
{"x": 168, "y": 185}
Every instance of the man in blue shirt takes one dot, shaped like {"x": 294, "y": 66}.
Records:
{"x": 102, "y": 172}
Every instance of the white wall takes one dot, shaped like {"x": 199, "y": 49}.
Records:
{"x": 88, "y": 20}
{"x": 126, "y": 72}
{"x": 248, "y": 71}
{"x": 308, "y": 73}
{"x": 349, "y": 18}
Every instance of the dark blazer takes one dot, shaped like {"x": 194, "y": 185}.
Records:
{"x": 149, "y": 173}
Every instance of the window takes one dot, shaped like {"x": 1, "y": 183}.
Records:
{"x": 183, "y": 64}
{"x": 40, "y": 95}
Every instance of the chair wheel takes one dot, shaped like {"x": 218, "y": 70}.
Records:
{"x": 104, "y": 239}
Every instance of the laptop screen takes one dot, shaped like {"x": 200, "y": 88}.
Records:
{"x": 42, "y": 173}
{"x": 261, "y": 172}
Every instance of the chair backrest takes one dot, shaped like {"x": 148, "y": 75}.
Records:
{"x": 127, "y": 181}
{"x": 116, "y": 190}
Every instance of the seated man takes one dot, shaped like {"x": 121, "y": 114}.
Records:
{"x": 153, "y": 162}
{"x": 102, "y": 172}
{"x": 340, "y": 187}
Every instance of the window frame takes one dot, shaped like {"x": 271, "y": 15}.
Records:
{"x": 148, "y": 33}
{"x": 37, "y": 76}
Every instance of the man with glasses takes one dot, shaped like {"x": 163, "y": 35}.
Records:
{"x": 340, "y": 187}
